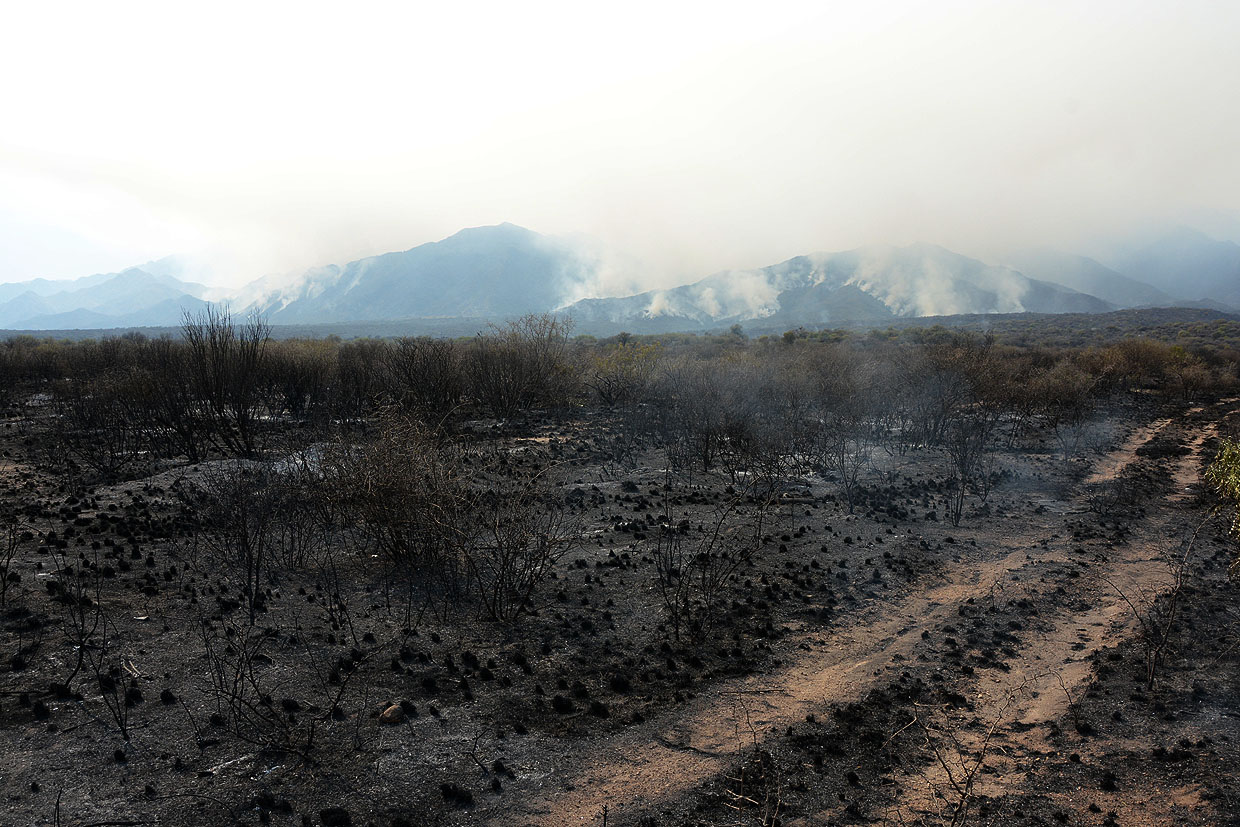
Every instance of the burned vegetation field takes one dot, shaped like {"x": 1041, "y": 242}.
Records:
{"x": 527, "y": 578}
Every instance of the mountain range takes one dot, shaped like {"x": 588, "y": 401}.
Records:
{"x": 504, "y": 271}
{"x": 155, "y": 293}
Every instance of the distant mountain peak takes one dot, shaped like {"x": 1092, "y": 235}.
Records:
{"x": 504, "y": 230}
{"x": 497, "y": 270}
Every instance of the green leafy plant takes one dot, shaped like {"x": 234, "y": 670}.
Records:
{"x": 1224, "y": 477}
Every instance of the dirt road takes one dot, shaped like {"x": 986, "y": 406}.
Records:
{"x": 663, "y": 759}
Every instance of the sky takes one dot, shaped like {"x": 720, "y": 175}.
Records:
{"x": 269, "y": 137}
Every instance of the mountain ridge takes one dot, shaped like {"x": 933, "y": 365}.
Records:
{"x": 504, "y": 270}
{"x": 875, "y": 282}
{"x": 499, "y": 270}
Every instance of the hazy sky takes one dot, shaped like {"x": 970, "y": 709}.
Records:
{"x": 272, "y": 136}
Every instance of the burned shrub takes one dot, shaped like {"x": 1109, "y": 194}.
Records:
{"x": 407, "y": 491}
{"x": 521, "y": 533}
{"x": 237, "y": 508}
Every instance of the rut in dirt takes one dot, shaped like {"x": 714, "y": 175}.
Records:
{"x": 658, "y": 761}
{"x": 1041, "y": 685}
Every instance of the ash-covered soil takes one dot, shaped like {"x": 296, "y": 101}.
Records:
{"x": 868, "y": 665}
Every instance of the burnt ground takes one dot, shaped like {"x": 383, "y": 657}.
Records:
{"x": 879, "y": 666}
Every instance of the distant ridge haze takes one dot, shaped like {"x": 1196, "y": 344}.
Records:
{"x": 1186, "y": 263}
{"x": 504, "y": 270}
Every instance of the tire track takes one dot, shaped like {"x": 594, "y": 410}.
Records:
{"x": 667, "y": 757}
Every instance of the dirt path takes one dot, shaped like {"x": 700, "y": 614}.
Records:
{"x": 1187, "y": 474}
{"x": 1050, "y": 671}
{"x": 1053, "y": 668}
{"x": 663, "y": 759}
{"x": 1110, "y": 466}
{"x": 1140, "y": 565}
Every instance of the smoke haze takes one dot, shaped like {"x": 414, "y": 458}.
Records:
{"x": 271, "y": 138}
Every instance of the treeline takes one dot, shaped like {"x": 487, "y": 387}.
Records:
{"x": 1206, "y": 333}
{"x": 225, "y": 388}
